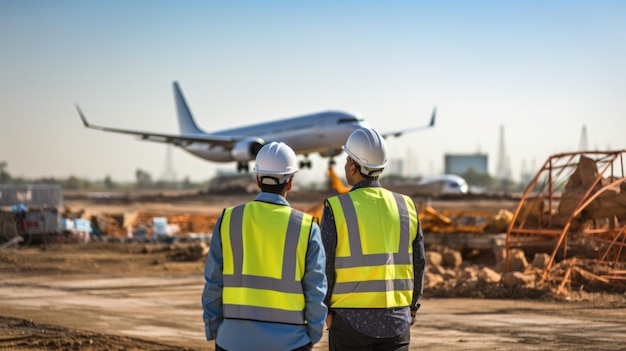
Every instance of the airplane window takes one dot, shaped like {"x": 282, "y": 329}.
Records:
{"x": 349, "y": 120}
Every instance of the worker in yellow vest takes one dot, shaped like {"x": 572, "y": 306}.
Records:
{"x": 265, "y": 271}
{"x": 374, "y": 255}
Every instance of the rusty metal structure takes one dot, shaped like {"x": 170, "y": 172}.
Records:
{"x": 575, "y": 206}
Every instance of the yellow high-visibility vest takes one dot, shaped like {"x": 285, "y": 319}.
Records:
{"x": 374, "y": 254}
{"x": 264, "y": 247}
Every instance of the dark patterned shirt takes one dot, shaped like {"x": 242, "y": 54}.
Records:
{"x": 373, "y": 322}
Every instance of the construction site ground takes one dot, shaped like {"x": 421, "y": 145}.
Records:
{"x": 138, "y": 296}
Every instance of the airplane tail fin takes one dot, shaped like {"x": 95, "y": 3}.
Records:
{"x": 185, "y": 119}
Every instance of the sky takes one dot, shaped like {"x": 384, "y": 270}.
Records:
{"x": 541, "y": 70}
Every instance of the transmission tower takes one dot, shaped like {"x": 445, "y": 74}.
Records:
{"x": 583, "y": 146}
{"x": 169, "y": 174}
{"x": 503, "y": 169}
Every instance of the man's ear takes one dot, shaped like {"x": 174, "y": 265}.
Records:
{"x": 289, "y": 183}
{"x": 353, "y": 167}
{"x": 258, "y": 182}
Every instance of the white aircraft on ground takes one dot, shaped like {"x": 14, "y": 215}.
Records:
{"x": 323, "y": 132}
{"x": 445, "y": 184}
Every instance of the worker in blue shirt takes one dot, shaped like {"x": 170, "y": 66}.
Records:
{"x": 374, "y": 255}
{"x": 265, "y": 271}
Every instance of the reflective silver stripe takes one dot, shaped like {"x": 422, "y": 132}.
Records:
{"x": 373, "y": 285}
{"x": 373, "y": 260}
{"x": 236, "y": 241}
{"x": 405, "y": 222}
{"x": 291, "y": 248}
{"x": 261, "y": 313}
{"x": 288, "y": 283}
{"x": 357, "y": 258}
{"x": 266, "y": 283}
{"x": 352, "y": 222}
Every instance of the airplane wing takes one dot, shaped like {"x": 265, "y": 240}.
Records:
{"x": 400, "y": 132}
{"x": 177, "y": 139}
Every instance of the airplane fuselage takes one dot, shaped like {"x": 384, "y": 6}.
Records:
{"x": 322, "y": 133}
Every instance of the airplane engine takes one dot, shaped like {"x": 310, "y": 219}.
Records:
{"x": 246, "y": 150}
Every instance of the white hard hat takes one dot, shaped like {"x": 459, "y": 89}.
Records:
{"x": 275, "y": 163}
{"x": 368, "y": 149}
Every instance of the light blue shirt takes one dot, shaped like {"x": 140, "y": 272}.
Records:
{"x": 239, "y": 334}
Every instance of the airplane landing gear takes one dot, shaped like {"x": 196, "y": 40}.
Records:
{"x": 306, "y": 163}
{"x": 242, "y": 167}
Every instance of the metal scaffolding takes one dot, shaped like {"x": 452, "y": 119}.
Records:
{"x": 575, "y": 205}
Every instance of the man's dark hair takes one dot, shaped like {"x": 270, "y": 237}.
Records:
{"x": 274, "y": 189}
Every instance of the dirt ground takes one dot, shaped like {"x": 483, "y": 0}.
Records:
{"x": 137, "y": 296}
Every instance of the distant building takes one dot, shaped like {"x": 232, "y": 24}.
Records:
{"x": 459, "y": 164}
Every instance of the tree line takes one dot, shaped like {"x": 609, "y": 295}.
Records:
{"x": 143, "y": 180}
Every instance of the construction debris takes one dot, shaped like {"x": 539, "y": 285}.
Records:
{"x": 567, "y": 280}
{"x": 575, "y": 207}
{"x": 140, "y": 225}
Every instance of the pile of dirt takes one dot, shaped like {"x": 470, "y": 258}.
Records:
{"x": 449, "y": 274}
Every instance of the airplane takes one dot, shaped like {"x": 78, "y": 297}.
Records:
{"x": 445, "y": 184}
{"x": 322, "y": 132}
